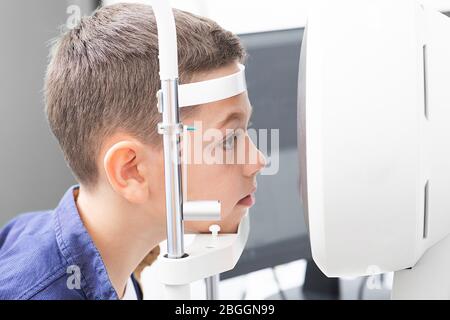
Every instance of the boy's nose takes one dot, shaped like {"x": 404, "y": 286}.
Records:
{"x": 255, "y": 163}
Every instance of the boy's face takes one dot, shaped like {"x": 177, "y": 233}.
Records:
{"x": 223, "y": 162}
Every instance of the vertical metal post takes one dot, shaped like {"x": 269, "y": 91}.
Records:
{"x": 212, "y": 287}
{"x": 172, "y": 167}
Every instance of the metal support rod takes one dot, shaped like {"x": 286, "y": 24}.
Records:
{"x": 172, "y": 168}
{"x": 212, "y": 287}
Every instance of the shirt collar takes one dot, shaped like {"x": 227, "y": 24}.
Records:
{"x": 78, "y": 249}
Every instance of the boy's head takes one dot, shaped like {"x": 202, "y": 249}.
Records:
{"x": 100, "y": 96}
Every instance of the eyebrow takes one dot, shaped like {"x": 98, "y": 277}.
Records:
{"x": 234, "y": 116}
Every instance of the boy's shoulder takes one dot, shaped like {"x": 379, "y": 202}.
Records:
{"x": 31, "y": 263}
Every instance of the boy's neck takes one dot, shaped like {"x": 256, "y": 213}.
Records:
{"x": 120, "y": 232}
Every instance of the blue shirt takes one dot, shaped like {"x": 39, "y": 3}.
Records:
{"x": 50, "y": 255}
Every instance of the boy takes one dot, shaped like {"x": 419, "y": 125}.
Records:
{"x": 100, "y": 93}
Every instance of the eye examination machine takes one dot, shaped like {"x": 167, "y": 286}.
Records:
{"x": 374, "y": 134}
{"x": 373, "y": 146}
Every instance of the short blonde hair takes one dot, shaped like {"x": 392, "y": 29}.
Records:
{"x": 103, "y": 77}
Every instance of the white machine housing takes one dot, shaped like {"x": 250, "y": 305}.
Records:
{"x": 374, "y": 133}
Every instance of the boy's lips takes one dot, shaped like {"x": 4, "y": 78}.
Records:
{"x": 249, "y": 199}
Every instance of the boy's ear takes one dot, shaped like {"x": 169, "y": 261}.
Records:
{"x": 126, "y": 167}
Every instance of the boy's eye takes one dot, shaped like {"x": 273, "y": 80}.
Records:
{"x": 229, "y": 143}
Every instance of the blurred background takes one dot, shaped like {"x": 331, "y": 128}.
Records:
{"x": 277, "y": 261}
